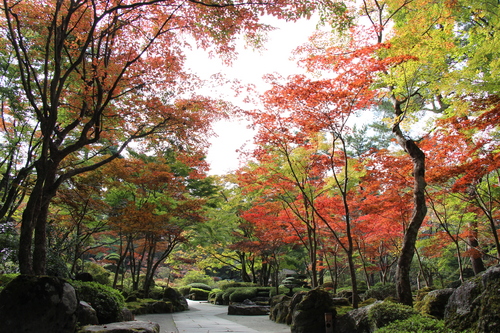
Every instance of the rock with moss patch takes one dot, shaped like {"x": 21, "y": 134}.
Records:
{"x": 434, "y": 302}
{"x": 86, "y": 314}
{"x": 42, "y": 304}
{"x": 309, "y": 314}
{"x": 178, "y": 301}
{"x": 355, "y": 321}
{"x": 475, "y": 305}
{"x": 279, "y": 308}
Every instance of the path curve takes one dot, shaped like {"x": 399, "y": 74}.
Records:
{"x": 203, "y": 317}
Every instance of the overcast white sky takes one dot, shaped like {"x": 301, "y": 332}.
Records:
{"x": 249, "y": 68}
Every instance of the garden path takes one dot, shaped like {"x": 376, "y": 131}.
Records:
{"x": 203, "y": 317}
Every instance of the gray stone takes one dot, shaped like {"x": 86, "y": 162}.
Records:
{"x": 279, "y": 308}
{"x": 162, "y": 307}
{"x": 86, "y": 314}
{"x": 248, "y": 310}
{"x": 355, "y": 321}
{"x": 435, "y": 302}
{"x": 475, "y": 305}
{"x": 178, "y": 301}
{"x": 309, "y": 314}
{"x": 127, "y": 315}
{"x": 42, "y": 304}
{"x": 123, "y": 327}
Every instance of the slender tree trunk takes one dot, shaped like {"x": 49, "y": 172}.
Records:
{"x": 244, "y": 274}
{"x": 475, "y": 255}
{"x": 459, "y": 258}
{"x": 121, "y": 259}
{"x": 403, "y": 284}
{"x": 354, "y": 283}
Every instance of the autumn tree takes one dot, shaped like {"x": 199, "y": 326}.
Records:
{"x": 156, "y": 201}
{"x": 96, "y": 75}
{"x": 77, "y": 220}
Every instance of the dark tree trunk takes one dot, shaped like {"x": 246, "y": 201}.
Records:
{"x": 475, "y": 254}
{"x": 403, "y": 284}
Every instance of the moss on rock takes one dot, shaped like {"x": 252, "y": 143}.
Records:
{"x": 475, "y": 305}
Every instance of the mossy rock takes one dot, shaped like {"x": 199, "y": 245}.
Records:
{"x": 475, "y": 305}
{"x": 434, "y": 302}
{"x": 279, "y": 308}
{"x": 42, "y": 304}
{"x": 309, "y": 314}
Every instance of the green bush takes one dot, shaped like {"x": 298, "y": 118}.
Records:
{"x": 185, "y": 290}
{"x": 215, "y": 296}
{"x": 6, "y": 278}
{"x": 196, "y": 277}
{"x": 106, "y": 301}
{"x": 200, "y": 286}
{"x": 226, "y": 285}
{"x": 416, "y": 324}
{"x": 56, "y": 266}
{"x": 241, "y": 294}
{"x": 381, "y": 291}
{"x": 199, "y": 294}
{"x": 99, "y": 273}
{"x": 156, "y": 293}
{"x": 384, "y": 313}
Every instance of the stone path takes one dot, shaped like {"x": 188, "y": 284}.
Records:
{"x": 203, "y": 317}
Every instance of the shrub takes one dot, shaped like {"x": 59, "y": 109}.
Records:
{"x": 226, "y": 294}
{"x": 381, "y": 291}
{"x": 185, "y": 290}
{"x": 382, "y": 314}
{"x": 199, "y": 294}
{"x": 416, "y": 324}
{"x": 226, "y": 285}
{"x": 215, "y": 296}
{"x": 240, "y": 294}
{"x": 196, "y": 277}
{"x": 56, "y": 266}
{"x": 106, "y": 301}
{"x": 6, "y": 278}
{"x": 200, "y": 286}
{"x": 156, "y": 293}
{"x": 99, "y": 273}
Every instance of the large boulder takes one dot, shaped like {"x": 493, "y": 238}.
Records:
{"x": 309, "y": 314}
{"x": 86, "y": 314}
{"x": 355, "y": 321}
{"x": 42, "y": 304}
{"x": 475, "y": 305}
{"x": 434, "y": 302}
{"x": 279, "y": 308}
{"x": 123, "y": 327}
{"x": 178, "y": 301}
{"x": 296, "y": 299}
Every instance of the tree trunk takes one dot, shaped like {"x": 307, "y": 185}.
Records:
{"x": 403, "y": 285}
{"x": 354, "y": 283}
{"x": 33, "y": 253}
{"x": 475, "y": 255}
